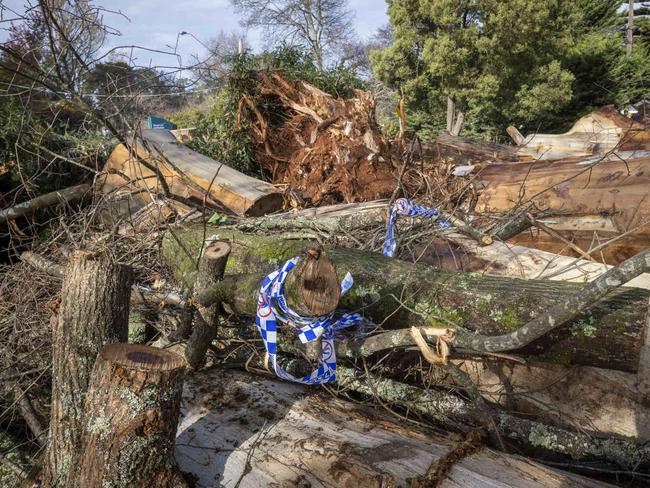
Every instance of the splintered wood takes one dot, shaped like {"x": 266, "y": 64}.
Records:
{"x": 329, "y": 149}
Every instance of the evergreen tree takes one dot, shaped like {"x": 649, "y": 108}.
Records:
{"x": 537, "y": 64}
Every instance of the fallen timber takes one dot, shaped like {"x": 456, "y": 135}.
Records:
{"x": 64, "y": 196}
{"x": 608, "y": 192}
{"x": 395, "y": 293}
{"x": 452, "y": 412}
{"x": 189, "y": 175}
{"x": 250, "y": 431}
{"x": 601, "y": 131}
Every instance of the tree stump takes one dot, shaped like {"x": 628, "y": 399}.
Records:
{"x": 131, "y": 416}
{"x": 94, "y": 311}
{"x": 211, "y": 268}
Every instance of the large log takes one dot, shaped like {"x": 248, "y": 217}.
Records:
{"x": 238, "y": 430}
{"x": 609, "y": 192}
{"x": 396, "y": 293}
{"x": 505, "y": 259}
{"x": 190, "y": 175}
{"x": 131, "y": 417}
{"x": 602, "y": 401}
{"x": 94, "y": 311}
{"x": 598, "y": 132}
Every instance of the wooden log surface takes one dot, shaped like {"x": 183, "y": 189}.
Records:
{"x": 241, "y": 194}
{"x": 504, "y": 259}
{"x": 396, "y": 294}
{"x": 242, "y": 431}
{"x": 601, "y": 401}
{"x": 600, "y": 131}
{"x": 610, "y": 192}
{"x": 94, "y": 311}
{"x": 131, "y": 417}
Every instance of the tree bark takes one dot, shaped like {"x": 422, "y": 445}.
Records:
{"x": 131, "y": 411}
{"x": 449, "y": 409}
{"x": 23, "y": 209}
{"x": 451, "y": 112}
{"x": 211, "y": 268}
{"x": 629, "y": 30}
{"x": 396, "y": 294}
{"x": 94, "y": 311}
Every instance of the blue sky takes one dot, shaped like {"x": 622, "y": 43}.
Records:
{"x": 156, "y": 24}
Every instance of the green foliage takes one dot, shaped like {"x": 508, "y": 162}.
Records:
{"x": 537, "y": 64}
{"x": 218, "y": 134}
{"x": 499, "y": 60}
{"x": 12, "y": 123}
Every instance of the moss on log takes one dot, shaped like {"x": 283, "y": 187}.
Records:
{"x": 397, "y": 293}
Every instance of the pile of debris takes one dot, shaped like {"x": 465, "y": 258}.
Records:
{"x": 329, "y": 150}
{"x": 525, "y": 356}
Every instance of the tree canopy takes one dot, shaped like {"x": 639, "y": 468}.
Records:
{"x": 530, "y": 63}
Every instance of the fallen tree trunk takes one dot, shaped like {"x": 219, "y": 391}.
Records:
{"x": 190, "y": 175}
{"x": 449, "y": 409}
{"x": 396, "y": 294}
{"x": 570, "y": 397}
{"x": 131, "y": 417}
{"x": 608, "y": 191}
{"x": 94, "y": 311}
{"x": 262, "y": 439}
{"x": 503, "y": 259}
{"x": 67, "y": 195}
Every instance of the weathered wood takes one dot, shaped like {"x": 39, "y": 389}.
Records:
{"x": 451, "y": 112}
{"x": 334, "y": 219}
{"x": 448, "y": 410}
{"x": 211, "y": 268}
{"x": 516, "y": 136}
{"x": 465, "y": 150}
{"x": 181, "y": 166}
{"x": 23, "y": 209}
{"x": 503, "y": 259}
{"x": 131, "y": 417}
{"x": 458, "y": 124}
{"x": 318, "y": 287}
{"x": 598, "y": 132}
{"x": 397, "y": 294}
{"x": 600, "y": 401}
{"x": 29, "y": 414}
{"x": 610, "y": 192}
{"x": 246, "y": 431}
{"x": 94, "y": 311}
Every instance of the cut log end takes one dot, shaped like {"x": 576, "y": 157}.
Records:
{"x": 264, "y": 205}
{"x": 142, "y": 358}
{"x": 217, "y": 250}
{"x": 317, "y": 283}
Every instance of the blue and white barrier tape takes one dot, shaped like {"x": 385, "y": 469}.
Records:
{"x": 408, "y": 208}
{"x": 272, "y": 307}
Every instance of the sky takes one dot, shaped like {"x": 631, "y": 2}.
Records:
{"x": 157, "y": 23}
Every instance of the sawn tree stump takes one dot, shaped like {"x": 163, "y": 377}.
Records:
{"x": 94, "y": 311}
{"x": 131, "y": 411}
